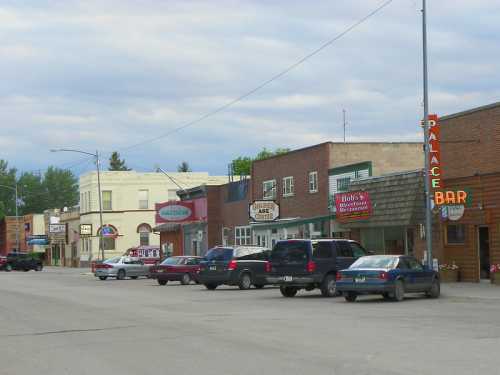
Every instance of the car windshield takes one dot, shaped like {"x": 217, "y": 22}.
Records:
{"x": 219, "y": 254}
{"x": 112, "y": 260}
{"x": 290, "y": 251}
{"x": 171, "y": 261}
{"x": 374, "y": 262}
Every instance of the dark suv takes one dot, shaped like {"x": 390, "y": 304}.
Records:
{"x": 240, "y": 265}
{"x": 23, "y": 261}
{"x": 310, "y": 264}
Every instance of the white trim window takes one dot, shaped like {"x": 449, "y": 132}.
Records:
{"x": 313, "y": 182}
{"x": 288, "y": 186}
{"x": 269, "y": 189}
{"x": 242, "y": 236}
{"x": 107, "y": 201}
{"x": 143, "y": 199}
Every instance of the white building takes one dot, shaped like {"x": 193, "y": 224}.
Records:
{"x": 128, "y": 203}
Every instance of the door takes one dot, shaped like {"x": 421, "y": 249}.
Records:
{"x": 484, "y": 252}
{"x": 324, "y": 256}
{"x": 421, "y": 279}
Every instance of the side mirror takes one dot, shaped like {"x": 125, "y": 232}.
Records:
{"x": 370, "y": 252}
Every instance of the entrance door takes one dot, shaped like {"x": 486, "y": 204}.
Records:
{"x": 484, "y": 252}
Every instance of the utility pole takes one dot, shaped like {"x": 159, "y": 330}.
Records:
{"x": 343, "y": 115}
{"x": 101, "y": 242}
{"x": 17, "y": 211}
{"x": 428, "y": 208}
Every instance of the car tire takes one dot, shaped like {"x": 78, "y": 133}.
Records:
{"x": 8, "y": 268}
{"x": 121, "y": 275}
{"x": 386, "y": 296}
{"x": 134, "y": 277}
{"x": 245, "y": 281}
{"x": 328, "y": 286}
{"x": 435, "y": 290}
{"x": 259, "y": 286}
{"x": 39, "y": 268}
{"x": 103, "y": 278}
{"x": 211, "y": 286}
{"x": 162, "y": 282}
{"x": 186, "y": 279}
{"x": 26, "y": 270}
{"x": 288, "y": 291}
{"x": 399, "y": 291}
{"x": 350, "y": 296}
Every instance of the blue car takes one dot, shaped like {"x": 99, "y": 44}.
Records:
{"x": 389, "y": 275}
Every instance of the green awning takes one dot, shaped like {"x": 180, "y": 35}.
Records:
{"x": 285, "y": 223}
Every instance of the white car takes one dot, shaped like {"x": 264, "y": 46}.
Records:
{"x": 122, "y": 267}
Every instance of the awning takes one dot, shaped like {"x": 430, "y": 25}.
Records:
{"x": 167, "y": 227}
{"x": 292, "y": 222}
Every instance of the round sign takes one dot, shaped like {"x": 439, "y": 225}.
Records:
{"x": 175, "y": 212}
{"x": 456, "y": 212}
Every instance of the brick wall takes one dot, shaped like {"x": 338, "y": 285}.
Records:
{"x": 8, "y": 227}
{"x": 233, "y": 214}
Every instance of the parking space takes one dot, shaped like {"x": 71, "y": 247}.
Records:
{"x": 70, "y": 322}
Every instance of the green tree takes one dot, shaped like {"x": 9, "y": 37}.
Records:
{"x": 183, "y": 167}
{"x": 117, "y": 164}
{"x": 32, "y": 194}
{"x": 7, "y": 195}
{"x": 61, "y": 187}
{"x": 242, "y": 166}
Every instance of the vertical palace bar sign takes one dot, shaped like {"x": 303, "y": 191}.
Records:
{"x": 435, "y": 152}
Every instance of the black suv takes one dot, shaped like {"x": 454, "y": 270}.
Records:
{"x": 310, "y": 264}
{"x": 23, "y": 261}
{"x": 240, "y": 265}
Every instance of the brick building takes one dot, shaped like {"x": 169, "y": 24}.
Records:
{"x": 29, "y": 225}
{"x": 302, "y": 183}
{"x": 470, "y": 160}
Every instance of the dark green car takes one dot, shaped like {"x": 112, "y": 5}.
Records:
{"x": 23, "y": 262}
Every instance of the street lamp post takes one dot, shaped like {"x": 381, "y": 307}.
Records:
{"x": 97, "y": 163}
{"x": 17, "y": 212}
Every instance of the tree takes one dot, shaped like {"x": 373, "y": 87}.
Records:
{"x": 116, "y": 164}
{"x": 32, "y": 194}
{"x": 243, "y": 164}
{"x": 61, "y": 187}
{"x": 7, "y": 195}
{"x": 183, "y": 167}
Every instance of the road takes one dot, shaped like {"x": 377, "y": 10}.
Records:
{"x": 61, "y": 321}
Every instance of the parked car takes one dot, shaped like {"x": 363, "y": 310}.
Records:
{"x": 389, "y": 275}
{"x": 243, "y": 266}
{"x": 121, "y": 267}
{"x": 22, "y": 261}
{"x": 310, "y": 264}
{"x": 179, "y": 268}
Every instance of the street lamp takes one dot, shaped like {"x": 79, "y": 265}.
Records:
{"x": 96, "y": 155}
{"x": 17, "y": 213}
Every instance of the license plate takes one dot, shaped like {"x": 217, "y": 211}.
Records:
{"x": 213, "y": 268}
{"x": 287, "y": 278}
{"x": 159, "y": 270}
{"x": 359, "y": 279}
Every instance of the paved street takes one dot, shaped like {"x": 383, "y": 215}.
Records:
{"x": 61, "y": 321}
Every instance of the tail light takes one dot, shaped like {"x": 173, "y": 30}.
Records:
{"x": 311, "y": 266}
{"x": 232, "y": 265}
{"x": 338, "y": 276}
{"x": 197, "y": 269}
{"x": 383, "y": 275}
{"x": 268, "y": 267}
{"x": 103, "y": 266}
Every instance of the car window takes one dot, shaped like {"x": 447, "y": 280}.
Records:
{"x": 375, "y": 262}
{"x": 357, "y": 250}
{"x": 322, "y": 250}
{"x": 112, "y": 260}
{"x": 219, "y": 254}
{"x": 344, "y": 249}
{"x": 414, "y": 265}
{"x": 290, "y": 251}
{"x": 191, "y": 262}
{"x": 171, "y": 261}
{"x": 403, "y": 264}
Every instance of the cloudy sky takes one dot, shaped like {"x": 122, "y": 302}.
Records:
{"x": 108, "y": 75}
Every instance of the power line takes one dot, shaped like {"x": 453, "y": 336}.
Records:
{"x": 265, "y": 83}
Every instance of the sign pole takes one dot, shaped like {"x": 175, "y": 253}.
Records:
{"x": 428, "y": 208}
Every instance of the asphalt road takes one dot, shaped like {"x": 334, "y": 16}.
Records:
{"x": 60, "y": 321}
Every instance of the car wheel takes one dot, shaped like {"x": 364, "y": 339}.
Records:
{"x": 350, "y": 296}
{"x": 245, "y": 281}
{"x": 134, "y": 277}
{"x": 162, "y": 282}
{"x": 120, "y": 275}
{"x": 288, "y": 291}
{"x": 435, "y": 290}
{"x": 103, "y": 278}
{"x": 329, "y": 286}
{"x": 386, "y": 296}
{"x": 259, "y": 286}
{"x": 211, "y": 286}
{"x": 8, "y": 268}
{"x": 39, "y": 268}
{"x": 399, "y": 291}
{"x": 186, "y": 279}
{"x": 26, "y": 270}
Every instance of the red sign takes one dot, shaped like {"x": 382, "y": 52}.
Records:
{"x": 435, "y": 152}
{"x": 353, "y": 205}
{"x": 174, "y": 212}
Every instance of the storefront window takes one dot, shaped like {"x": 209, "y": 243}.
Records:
{"x": 243, "y": 236}
{"x": 108, "y": 243}
{"x": 455, "y": 234}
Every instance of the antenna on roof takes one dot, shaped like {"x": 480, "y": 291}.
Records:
{"x": 343, "y": 115}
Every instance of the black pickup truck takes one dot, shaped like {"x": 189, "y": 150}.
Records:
{"x": 22, "y": 261}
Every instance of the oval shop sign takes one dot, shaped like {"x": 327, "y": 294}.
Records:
{"x": 175, "y": 212}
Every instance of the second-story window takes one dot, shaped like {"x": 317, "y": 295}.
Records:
{"x": 143, "y": 199}
{"x": 107, "y": 201}
{"x": 288, "y": 186}
{"x": 269, "y": 189}
{"x": 313, "y": 182}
